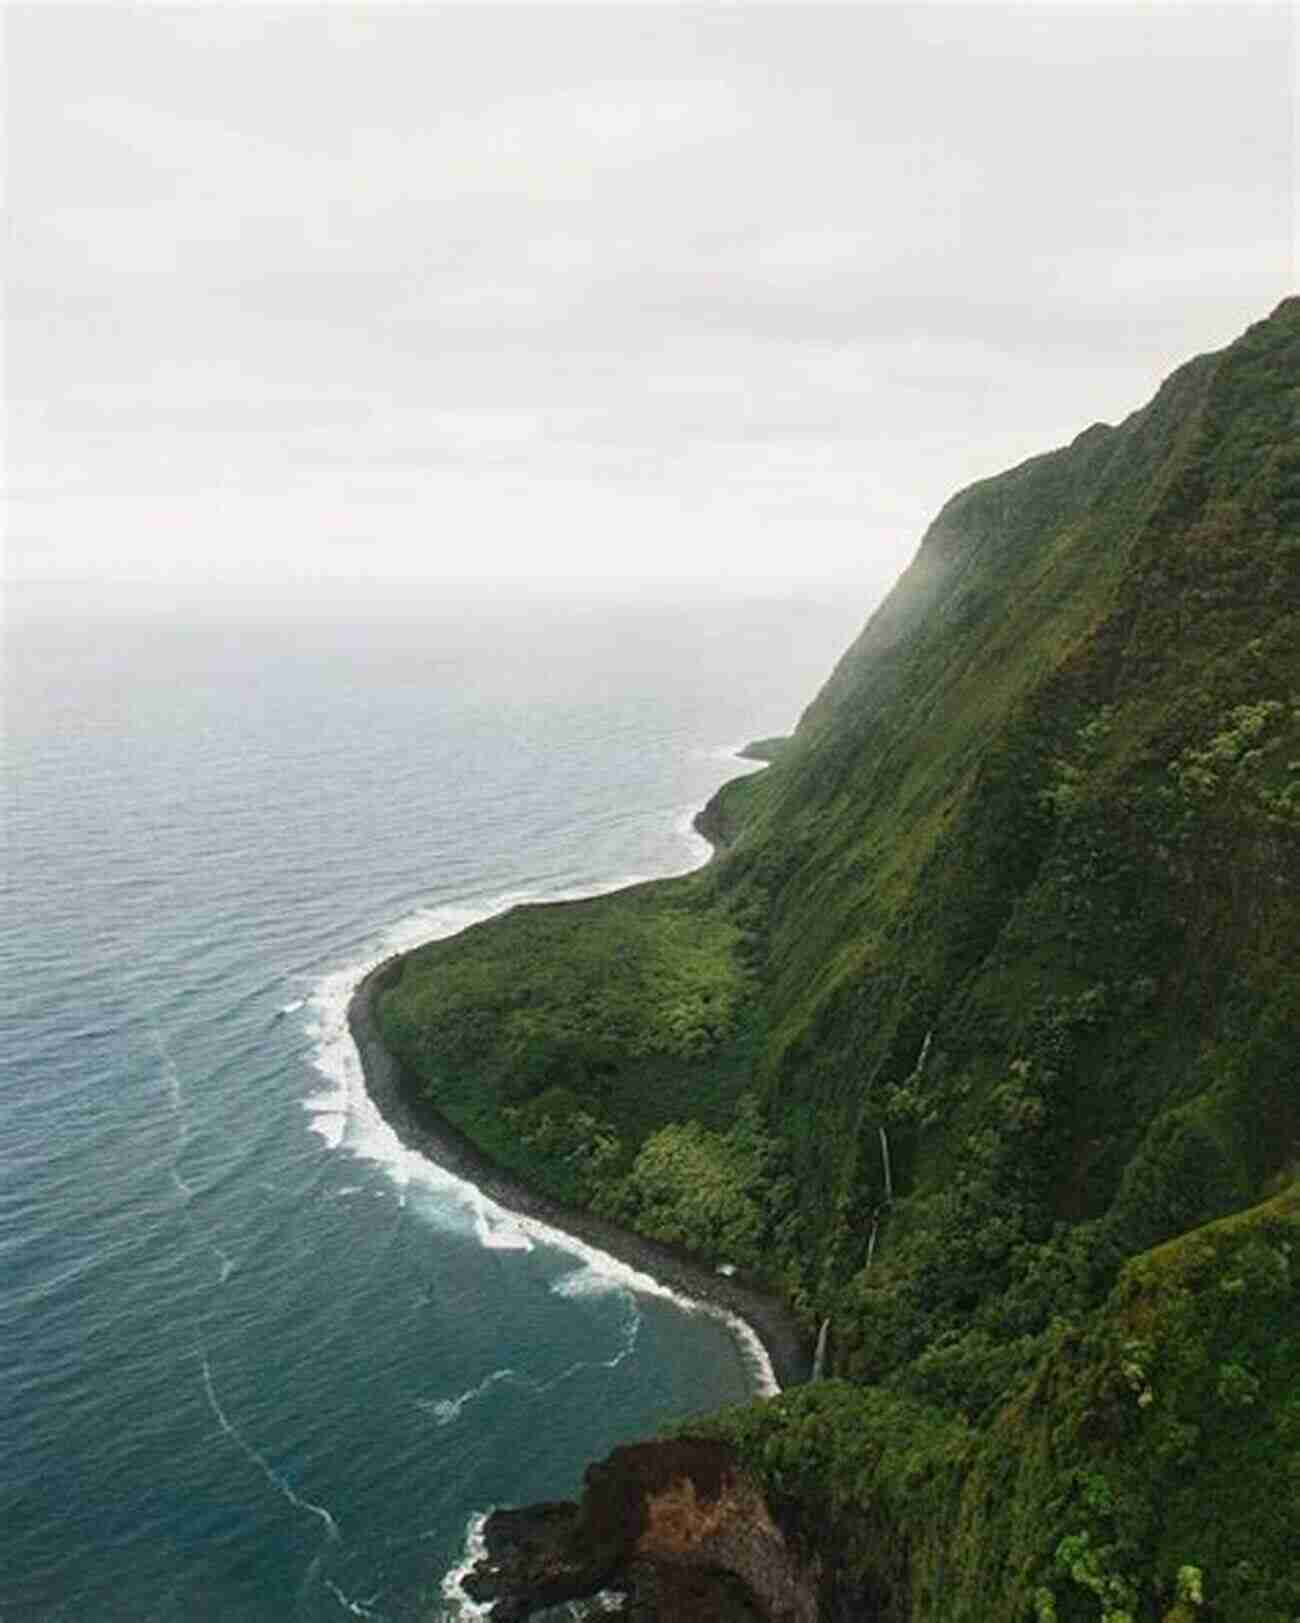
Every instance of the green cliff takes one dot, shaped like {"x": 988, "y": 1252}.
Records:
{"x": 981, "y": 1038}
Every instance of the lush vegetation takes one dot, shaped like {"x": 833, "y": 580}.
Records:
{"x": 569, "y": 1039}
{"x": 983, "y": 1021}
{"x": 1149, "y": 1467}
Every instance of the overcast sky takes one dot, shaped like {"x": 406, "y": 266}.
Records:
{"x": 706, "y": 292}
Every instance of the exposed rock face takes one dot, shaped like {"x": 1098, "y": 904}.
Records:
{"x": 677, "y": 1527}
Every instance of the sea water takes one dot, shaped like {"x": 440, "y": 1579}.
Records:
{"x": 257, "y": 1361}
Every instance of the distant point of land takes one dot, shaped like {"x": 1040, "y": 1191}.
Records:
{"x": 763, "y": 749}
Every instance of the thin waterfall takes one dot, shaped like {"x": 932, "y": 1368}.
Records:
{"x": 819, "y": 1357}
{"x": 886, "y": 1162}
{"x": 889, "y": 1171}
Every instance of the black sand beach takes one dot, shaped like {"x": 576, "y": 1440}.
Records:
{"x": 420, "y": 1127}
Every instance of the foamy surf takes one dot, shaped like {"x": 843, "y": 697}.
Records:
{"x": 496, "y": 1228}
{"x": 460, "y": 1607}
{"x": 684, "y": 827}
{"x": 620, "y": 1274}
{"x": 585, "y": 1281}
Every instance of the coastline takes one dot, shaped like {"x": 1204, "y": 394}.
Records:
{"x": 420, "y": 1127}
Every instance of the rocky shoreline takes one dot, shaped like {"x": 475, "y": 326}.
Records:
{"x": 422, "y": 1128}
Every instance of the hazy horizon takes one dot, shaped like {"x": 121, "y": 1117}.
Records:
{"x": 310, "y": 296}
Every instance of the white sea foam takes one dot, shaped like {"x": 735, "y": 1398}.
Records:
{"x": 342, "y": 1113}
{"x": 226, "y": 1264}
{"x": 496, "y": 1228}
{"x": 445, "y": 1410}
{"x": 358, "y": 1608}
{"x": 586, "y": 1281}
{"x": 631, "y": 1331}
{"x": 684, "y": 827}
{"x": 462, "y": 1607}
{"x": 621, "y": 1275}
{"x": 263, "y": 1464}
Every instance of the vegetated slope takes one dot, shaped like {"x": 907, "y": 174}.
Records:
{"x": 995, "y": 987}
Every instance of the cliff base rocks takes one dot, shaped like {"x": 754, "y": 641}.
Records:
{"x": 676, "y": 1528}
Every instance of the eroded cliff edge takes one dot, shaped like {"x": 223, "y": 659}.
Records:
{"x": 677, "y": 1529}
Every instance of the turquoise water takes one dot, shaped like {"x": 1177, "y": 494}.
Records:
{"x": 255, "y": 1361}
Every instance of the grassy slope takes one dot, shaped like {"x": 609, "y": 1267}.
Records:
{"x": 1042, "y": 827}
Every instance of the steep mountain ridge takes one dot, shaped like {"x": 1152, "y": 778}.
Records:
{"x": 1014, "y": 742}
{"x": 991, "y": 998}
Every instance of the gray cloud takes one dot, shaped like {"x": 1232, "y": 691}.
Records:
{"x": 754, "y": 289}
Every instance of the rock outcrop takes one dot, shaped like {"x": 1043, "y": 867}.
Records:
{"x": 677, "y": 1528}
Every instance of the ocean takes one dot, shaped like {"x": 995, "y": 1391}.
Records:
{"x": 257, "y": 1362}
